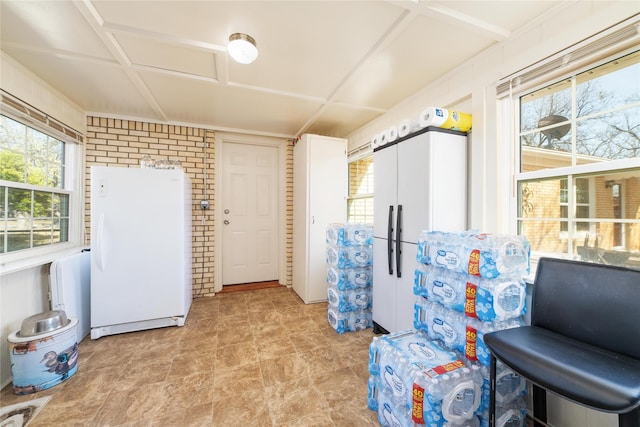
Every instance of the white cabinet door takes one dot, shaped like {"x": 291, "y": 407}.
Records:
{"x": 448, "y": 182}
{"x": 386, "y": 188}
{"x": 384, "y": 287}
{"x": 319, "y": 197}
{"x": 327, "y": 205}
{"x": 405, "y": 297}
{"x": 413, "y": 185}
{"x": 393, "y": 297}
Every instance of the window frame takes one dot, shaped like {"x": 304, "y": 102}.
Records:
{"x": 577, "y": 204}
{"x": 510, "y": 106}
{"x": 73, "y": 187}
{"x": 360, "y": 154}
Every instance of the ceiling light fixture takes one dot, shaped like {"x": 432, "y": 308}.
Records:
{"x": 242, "y": 48}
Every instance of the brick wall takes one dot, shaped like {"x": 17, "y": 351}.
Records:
{"x": 545, "y": 196}
{"x": 632, "y": 211}
{"x": 123, "y": 143}
{"x": 289, "y": 213}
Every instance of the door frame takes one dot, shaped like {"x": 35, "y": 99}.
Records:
{"x": 237, "y": 138}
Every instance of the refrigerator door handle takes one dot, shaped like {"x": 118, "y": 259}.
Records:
{"x": 98, "y": 245}
{"x": 398, "y": 241}
{"x": 390, "y": 240}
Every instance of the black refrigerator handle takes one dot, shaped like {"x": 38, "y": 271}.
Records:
{"x": 398, "y": 240}
{"x": 389, "y": 239}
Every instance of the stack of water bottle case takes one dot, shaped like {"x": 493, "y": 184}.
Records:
{"x": 437, "y": 374}
{"x": 349, "y": 276}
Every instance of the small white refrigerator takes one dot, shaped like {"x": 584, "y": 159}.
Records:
{"x": 140, "y": 249}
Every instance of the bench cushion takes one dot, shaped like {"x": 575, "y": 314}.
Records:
{"x": 580, "y": 372}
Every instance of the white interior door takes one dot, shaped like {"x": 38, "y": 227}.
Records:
{"x": 249, "y": 213}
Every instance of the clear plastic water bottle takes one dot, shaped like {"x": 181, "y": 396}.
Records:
{"x": 486, "y": 385}
{"x": 350, "y": 321}
{"x": 422, "y": 254}
{"x": 441, "y": 324}
{"x": 453, "y": 396}
{"x": 510, "y": 414}
{"x": 473, "y": 422}
{"x": 440, "y": 249}
{"x": 361, "y": 277}
{"x": 478, "y": 257}
{"x": 332, "y": 234}
{"x": 350, "y": 278}
{"x": 498, "y": 299}
{"x": 475, "y": 348}
{"x": 373, "y": 388}
{"x": 394, "y": 376}
{"x": 509, "y": 385}
{"x": 420, "y": 315}
{"x": 375, "y": 349}
{"x": 349, "y": 300}
{"x": 362, "y": 319}
{"x": 339, "y": 234}
{"x": 514, "y": 256}
{"x": 391, "y": 413}
{"x": 492, "y": 256}
{"x": 443, "y": 286}
{"x": 461, "y": 402}
{"x": 349, "y": 257}
{"x": 420, "y": 281}
{"x": 333, "y": 256}
{"x": 447, "y": 326}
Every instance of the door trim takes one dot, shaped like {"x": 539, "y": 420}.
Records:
{"x": 237, "y": 138}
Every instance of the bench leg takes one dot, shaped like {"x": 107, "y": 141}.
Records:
{"x": 630, "y": 419}
{"x": 492, "y": 391}
{"x": 539, "y": 406}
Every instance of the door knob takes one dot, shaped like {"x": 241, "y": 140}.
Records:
{"x": 226, "y": 222}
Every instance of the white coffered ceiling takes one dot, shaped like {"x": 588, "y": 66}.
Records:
{"x": 324, "y": 67}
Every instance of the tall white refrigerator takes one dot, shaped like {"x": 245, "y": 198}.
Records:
{"x": 420, "y": 184}
{"x": 140, "y": 249}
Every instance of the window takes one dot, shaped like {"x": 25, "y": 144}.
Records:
{"x": 360, "y": 201}
{"x": 579, "y": 179}
{"x": 582, "y": 203}
{"x": 34, "y": 200}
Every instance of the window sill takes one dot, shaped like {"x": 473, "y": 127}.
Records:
{"x": 11, "y": 264}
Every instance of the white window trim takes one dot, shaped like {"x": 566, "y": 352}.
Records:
{"x": 74, "y": 184}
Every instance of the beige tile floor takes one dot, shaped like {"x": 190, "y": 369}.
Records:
{"x": 255, "y": 358}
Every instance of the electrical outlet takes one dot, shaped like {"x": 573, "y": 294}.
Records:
{"x": 204, "y": 205}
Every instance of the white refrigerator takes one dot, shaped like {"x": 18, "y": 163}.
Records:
{"x": 140, "y": 249}
{"x": 420, "y": 184}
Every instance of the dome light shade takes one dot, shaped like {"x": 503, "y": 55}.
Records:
{"x": 242, "y": 48}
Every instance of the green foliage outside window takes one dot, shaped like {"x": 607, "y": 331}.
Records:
{"x": 34, "y": 208}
